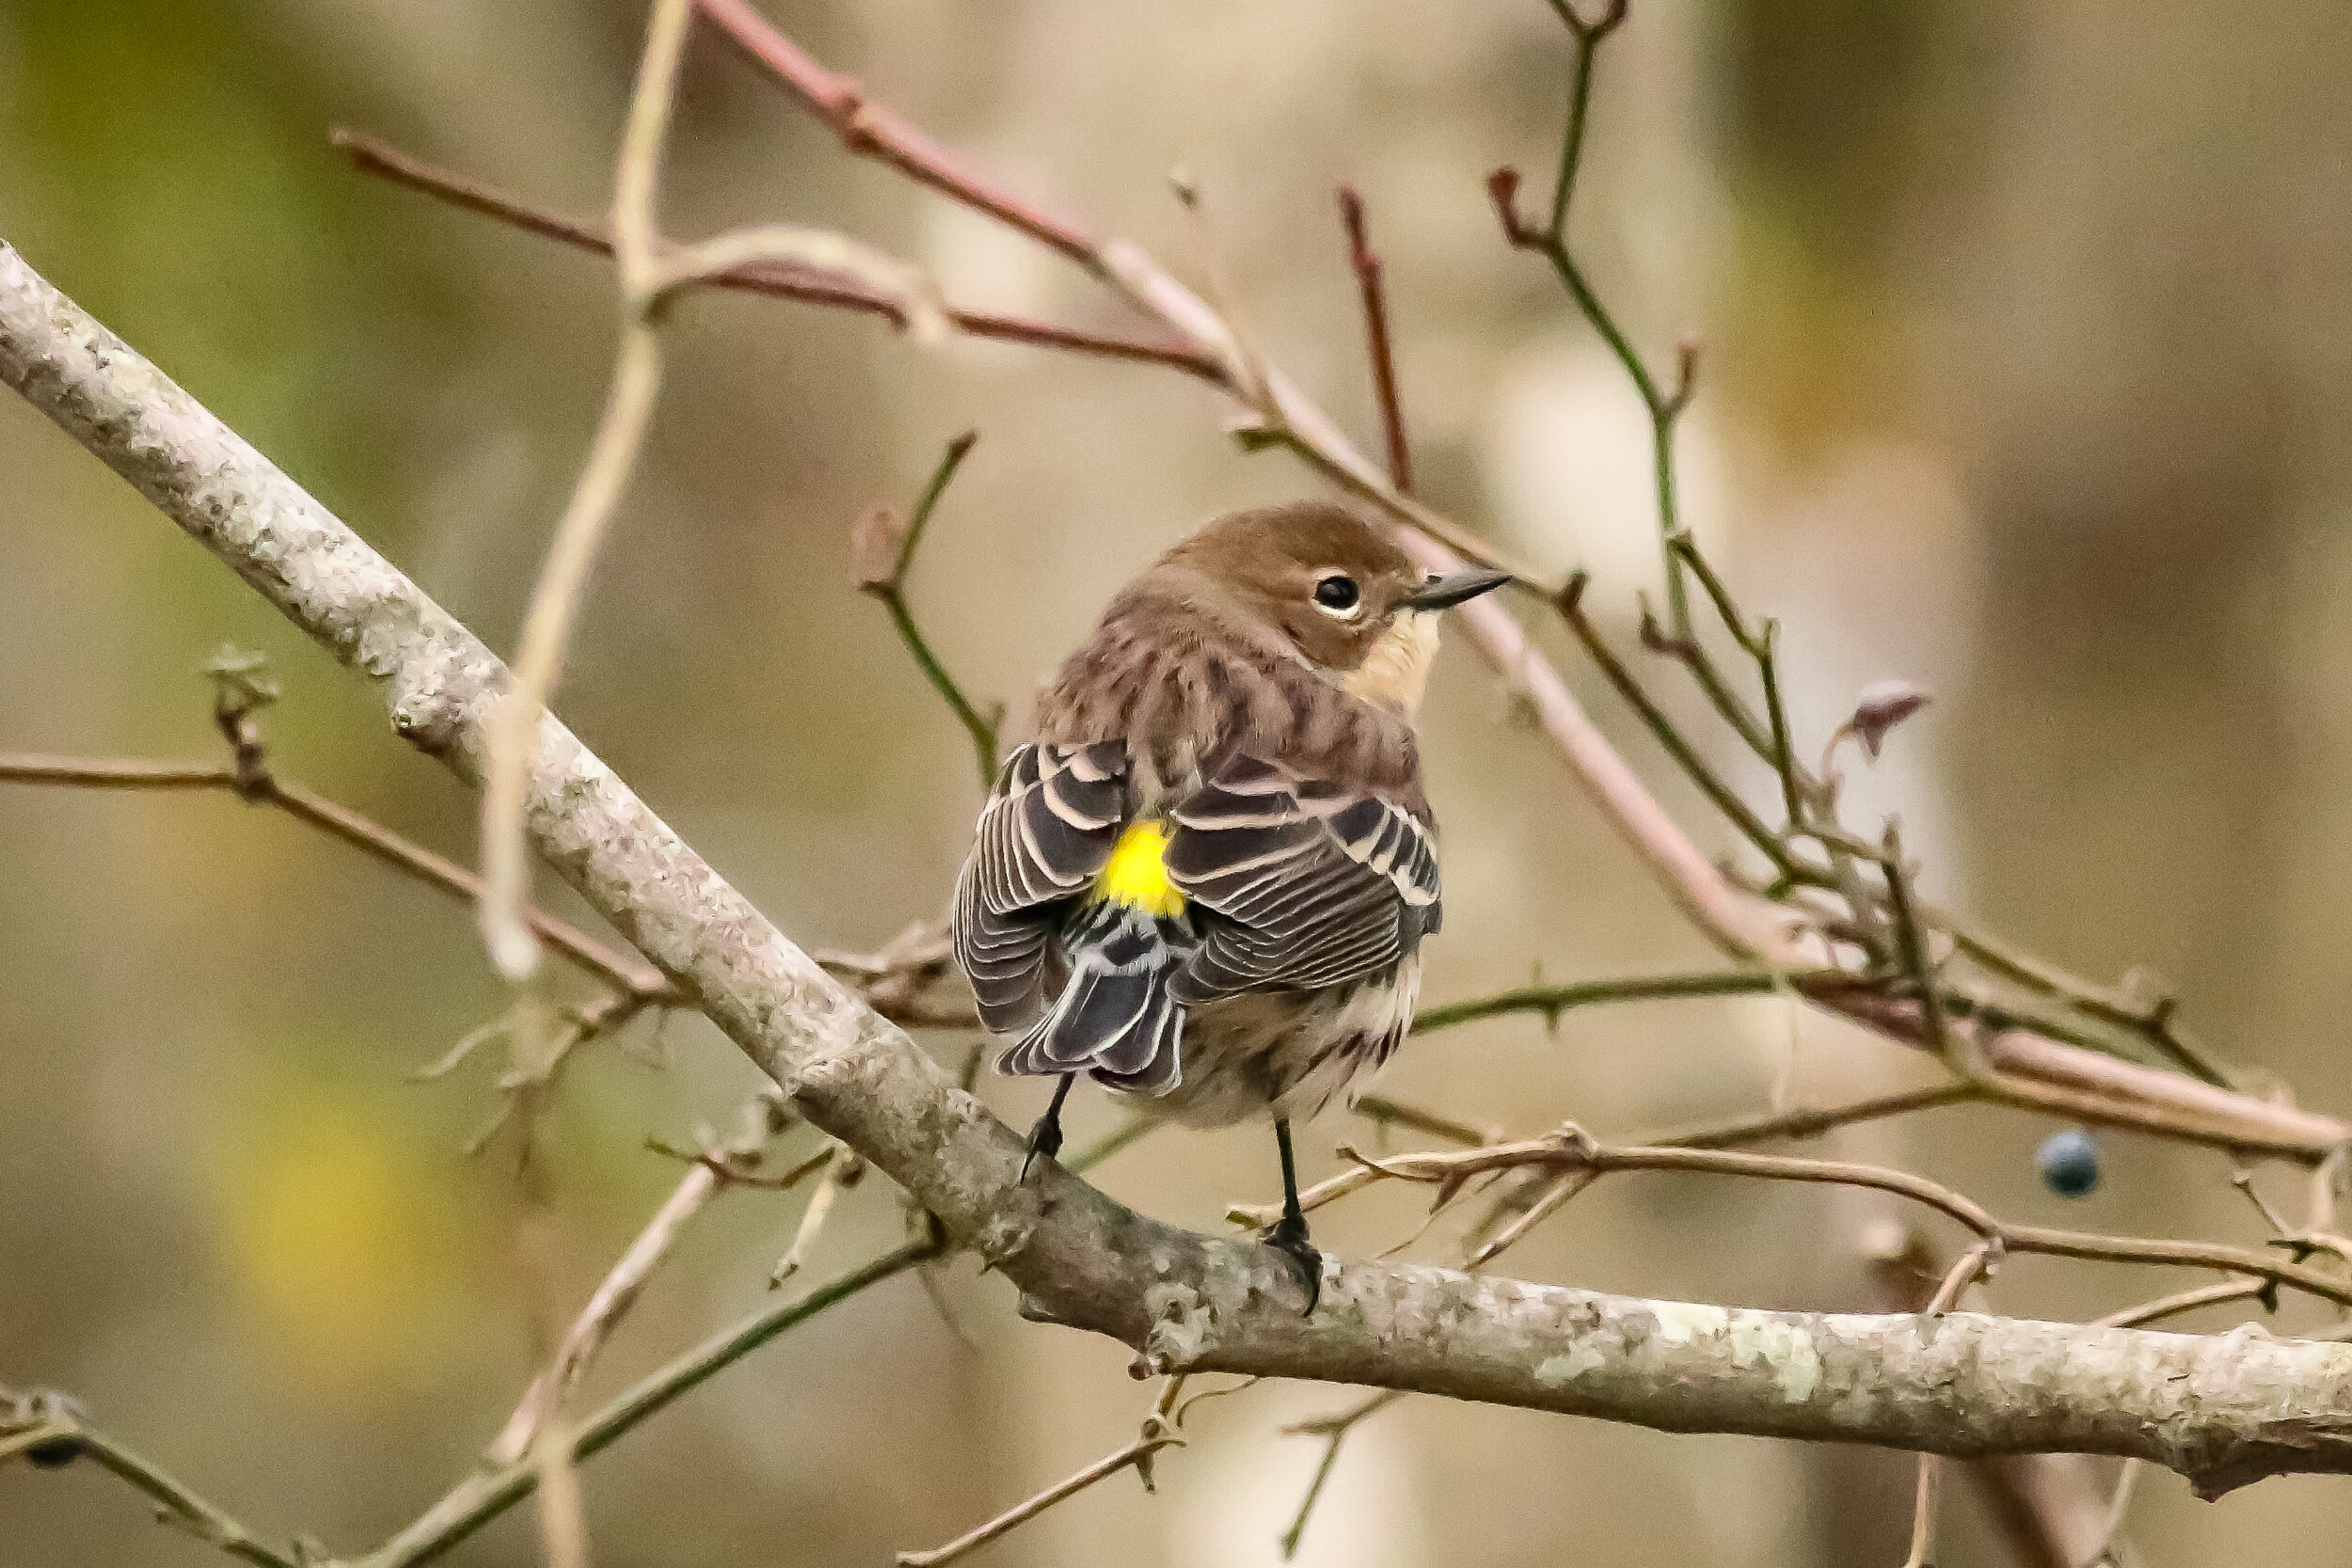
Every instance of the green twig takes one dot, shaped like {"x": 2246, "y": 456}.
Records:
{"x": 1812, "y": 1122}
{"x": 891, "y": 591}
{"x": 1552, "y": 242}
{"x": 2154, "y": 1022}
{"x": 1386, "y": 1113}
{"x": 1333, "y": 1430}
{"x": 1686, "y": 756}
{"x": 1773, "y": 740}
{"x": 1792, "y": 791}
{"x": 1551, "y": 1001}
{"x": 1693, "y": 656}
{"x": 482, "y": 1497}
{"x": 1297, "y": 1531}
{"x": 55, "y": 1437}
{"x": 1911, "y": 942}
{"x": 1109, "y": 1144}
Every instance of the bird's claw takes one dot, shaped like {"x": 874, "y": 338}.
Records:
{"x": 1044, "y": 1138}
{"x": 1288, "y": 1236}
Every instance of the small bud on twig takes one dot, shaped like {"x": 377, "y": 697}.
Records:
{"x": 1686, "y": 375}
{"x": 875, "y": 539}
{"x": 1881, "y": 707}
{"x": 1503, "y": 185}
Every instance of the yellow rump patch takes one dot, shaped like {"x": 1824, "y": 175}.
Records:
{"x": 1136, "y": 874}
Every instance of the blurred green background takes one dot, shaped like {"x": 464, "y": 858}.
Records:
{"x": 2029, "y": 332}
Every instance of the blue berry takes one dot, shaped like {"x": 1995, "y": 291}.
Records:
{"x": 2069, "y": 1162}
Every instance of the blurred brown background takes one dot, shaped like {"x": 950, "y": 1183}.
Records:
{"x": 2028, "y": 331}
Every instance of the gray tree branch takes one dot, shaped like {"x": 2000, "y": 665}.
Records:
{"x": 2222, "y": 1410}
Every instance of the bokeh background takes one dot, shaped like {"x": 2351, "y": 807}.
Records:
{"x": 2028, "y": 333}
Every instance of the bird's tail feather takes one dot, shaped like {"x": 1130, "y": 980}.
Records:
{"x": 1115, "y": 1016}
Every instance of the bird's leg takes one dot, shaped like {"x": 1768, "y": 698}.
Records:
{"x": 1288, "y": 1235}
{"x": 1045, "y": 1137}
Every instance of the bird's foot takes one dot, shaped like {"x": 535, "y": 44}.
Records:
{"x": 1044, "y": 1138}
{"x": 1288, "y": 1236}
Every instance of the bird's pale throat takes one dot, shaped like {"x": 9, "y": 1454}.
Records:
{"x": 1396, "y": 671}
{"x": 1136, "y": 873}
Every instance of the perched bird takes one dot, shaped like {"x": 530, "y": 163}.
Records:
{"x": 1206, "y": 882}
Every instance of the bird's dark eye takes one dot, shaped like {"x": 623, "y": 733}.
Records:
{"x": 1337, "y": 593}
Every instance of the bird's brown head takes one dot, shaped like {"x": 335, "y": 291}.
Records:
{"x": 1336, "y": 588}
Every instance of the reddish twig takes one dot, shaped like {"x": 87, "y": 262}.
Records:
{"x": 791, "y": 280}
{"x": 873, "y": 131}
{"x": 1366, "y": 264}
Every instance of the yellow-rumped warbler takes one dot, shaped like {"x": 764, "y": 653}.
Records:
{"x": 1206, "y": 881}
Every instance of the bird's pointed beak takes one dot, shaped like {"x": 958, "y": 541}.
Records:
{"x": 1446, "y": 592}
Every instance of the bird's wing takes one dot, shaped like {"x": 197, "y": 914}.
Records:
{"x": 1043, "y": 837}
{"x": 1311, "y": 883}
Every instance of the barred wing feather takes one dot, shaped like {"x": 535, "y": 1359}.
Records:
{"x": 1314, "y": 884}
{"x": 1045, "y": 836}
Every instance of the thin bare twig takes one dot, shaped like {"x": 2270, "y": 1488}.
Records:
{"x": 1281, "y": 413}
{"x": 486, "y": 1493}
{"x": 307, "y": 806}
{"x": 47, "y": 1430}
{"x": 541, "y": 1041}
{"x": 2151, "y": 1017}
{"x": 1719, "y": 794}
{"x": 2185, "y": 1301}
{"x": 1552, "y": 1000}
{"x": 514, "y": 725}
{"x": 2049, "y": 1506}
{"x": 1925, "y": 1503}
{"x": 1365, "y": 263}
{"x": 911, "y": 979}
{"x": 889, "y": 585}
{"x": 620, "y": 434}
{"x": 1385, "y": 1113}
{"x": 842, "y": 1168}
{"x": 771, "y": 279}
{"x": 1159, "y": 1432}
{"x": 762, "y": 1119}
{"x": 2125, "y": 1480}
{"x": 1798, "y": 1123}
{"x": 1333, "y": 1430}
{"x": 1563, "y": 1191}
{"x": 1111, "y": 1142}
{"x": 1804, "y": 1122}
{"x": 1665, "y": 405}
{"x": 1571, "y": 1150}
{"x": 914, "y": 296}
